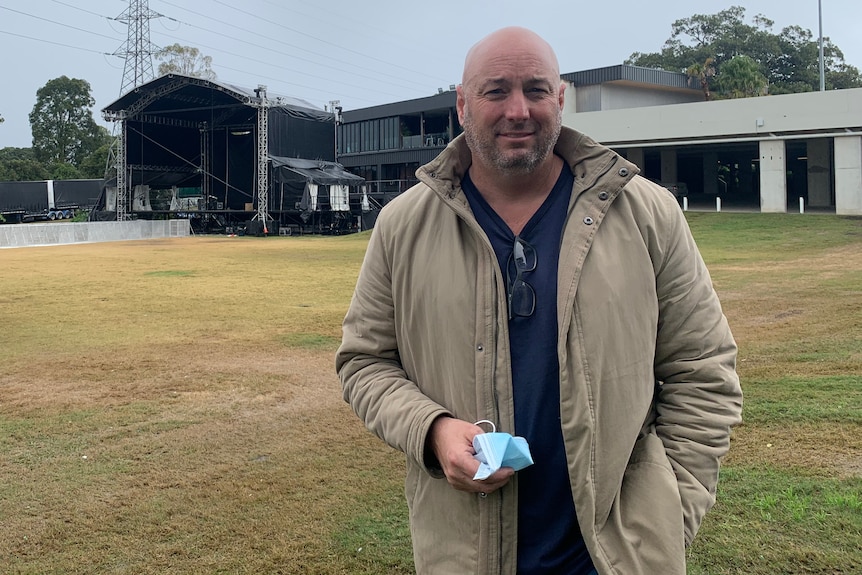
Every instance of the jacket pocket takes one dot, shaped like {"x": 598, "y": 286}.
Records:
{"x": 644, "y": 532}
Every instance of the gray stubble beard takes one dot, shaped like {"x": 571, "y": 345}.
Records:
{"x": 521, "y": 165}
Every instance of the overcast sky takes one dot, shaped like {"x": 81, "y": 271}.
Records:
{"x": 361, "y": 52}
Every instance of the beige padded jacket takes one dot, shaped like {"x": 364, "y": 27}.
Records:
{"x": 648, "y": 385}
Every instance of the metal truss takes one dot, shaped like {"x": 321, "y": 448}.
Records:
{"x": 262, "y": 158}
{"x": 122, "y": 176}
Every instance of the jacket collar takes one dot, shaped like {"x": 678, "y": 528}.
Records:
{"x": 587, "y": 159}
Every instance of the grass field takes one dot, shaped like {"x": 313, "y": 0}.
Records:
{"x": 171, "y": 406}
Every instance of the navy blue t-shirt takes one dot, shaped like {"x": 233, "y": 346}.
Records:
{"x": 549, "y": 539}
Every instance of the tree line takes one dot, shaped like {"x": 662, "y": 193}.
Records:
{"x": 720, "y": 53}
{"x": 728, "y": 58}
{"x": 68, "y": 144}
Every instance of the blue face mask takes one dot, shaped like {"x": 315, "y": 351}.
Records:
{"x": 499, "y": 449}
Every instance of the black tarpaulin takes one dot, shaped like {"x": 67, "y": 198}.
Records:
{"x": 312, "y": 172}
{"x": 313, "y": 185}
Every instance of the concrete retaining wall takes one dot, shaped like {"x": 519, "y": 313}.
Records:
{"x": 49, "y": 234}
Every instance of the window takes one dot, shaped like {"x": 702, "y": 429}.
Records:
{"x": 371, "y": 135}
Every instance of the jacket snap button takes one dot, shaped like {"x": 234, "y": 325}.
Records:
{"x": 624, "y": 172}
{"x": 603, "y": 195}
{"x": 480, "y": 347}
{"x": 588, "y": 220}
{"x": 483, "y": 495}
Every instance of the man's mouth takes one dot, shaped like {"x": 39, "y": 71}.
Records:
{"x": 516, "y": 135}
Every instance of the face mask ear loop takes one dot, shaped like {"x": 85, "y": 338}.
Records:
{"x": 491, "y": 423}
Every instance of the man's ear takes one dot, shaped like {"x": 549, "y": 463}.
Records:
{"x": 460, "y": 103}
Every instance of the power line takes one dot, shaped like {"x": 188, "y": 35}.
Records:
{"x": 337, "y": 78}
{"x": 273, "y": 65}
{"x": 117, "y": 54}
{"x": 81, "y": 9}
{"x": 300, "y": 32}
{"x": 56, "y": 43}
{"x": 257, "y": 34}
{"x": 153, "y": 50}
{"x": 57, "y": 23}
{"x": 366, "y": 29}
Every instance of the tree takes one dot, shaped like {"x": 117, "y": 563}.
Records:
{"x": 94, "y": 165}
{"x": 703, "y": 73}
{"x": 62, "y": 123}
{"x": 185, "y": 60}
{"x": 741, "y": 78}
{"x": 789, "y": 61}
{"x": 20, "y": 164}
{"x": 65, "y": 172}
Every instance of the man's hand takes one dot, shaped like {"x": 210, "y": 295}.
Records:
{"x": 451, "y": 441}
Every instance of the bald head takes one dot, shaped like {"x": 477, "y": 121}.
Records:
{"x": 510, "y": 104}
{"x": 508, "y": 43}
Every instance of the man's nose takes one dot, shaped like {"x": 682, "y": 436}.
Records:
{"x": 517, "y": 106}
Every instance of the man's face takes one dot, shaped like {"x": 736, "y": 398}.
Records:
{"x": 511, "y": 110}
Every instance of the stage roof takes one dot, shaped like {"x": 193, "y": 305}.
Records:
{"x": 189, "y": 100}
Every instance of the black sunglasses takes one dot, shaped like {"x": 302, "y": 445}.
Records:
{"x": 521, "y": 295}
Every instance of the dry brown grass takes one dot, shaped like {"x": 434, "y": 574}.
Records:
{"x": 171, "y": 406}
{"x": 784, "y": 321}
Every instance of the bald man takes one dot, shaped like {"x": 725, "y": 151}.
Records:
{"x": 532, "y": 279}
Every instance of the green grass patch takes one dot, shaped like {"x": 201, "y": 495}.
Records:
{"x": 377, "y": 538}
{"x": 310, "y": 340}
{"x": 795, "y": 399}
{"x": 735, "y": 238}
{"x": 769, "y": 521}
{"x": 170, "y": 273}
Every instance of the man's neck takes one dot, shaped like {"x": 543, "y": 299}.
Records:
{"x": 515, "y": 198}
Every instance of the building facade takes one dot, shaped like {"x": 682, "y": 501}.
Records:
{"x": 770, "y": 154}
{"x": 387, "y": 144}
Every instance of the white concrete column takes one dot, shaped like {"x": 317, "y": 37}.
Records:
{"x": 710, "y": 173}
{"x": 773, "y": 176}
{"x": 848, "y": 175}
{"x": 668, "y": 165}
{"x": 819, "y": 173}
{"x": 636, "y": 156}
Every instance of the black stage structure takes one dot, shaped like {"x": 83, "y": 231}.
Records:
{"x": 229, "y": 159}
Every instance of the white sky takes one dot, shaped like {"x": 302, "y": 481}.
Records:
{"x": 361, "y": 52}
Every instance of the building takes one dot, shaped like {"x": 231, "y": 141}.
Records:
{"x": 771, "y": 153}
{"x": 387, "y": 144}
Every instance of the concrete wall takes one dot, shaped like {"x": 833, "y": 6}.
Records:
{"x": 586, "y": 98}
{"x": 621, "y": 96}
{"x": 47, "y": 234}
{"x": 745, "y": 117}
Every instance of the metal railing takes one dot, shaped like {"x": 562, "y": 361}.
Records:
{"x": 389, "y": 187}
